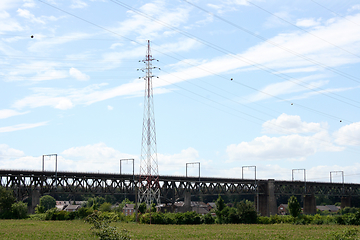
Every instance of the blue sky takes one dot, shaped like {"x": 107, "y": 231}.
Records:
{"x": 73, "y": 89}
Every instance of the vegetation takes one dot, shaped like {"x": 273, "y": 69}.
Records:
{"x": 243, "y": 212}
{"x": 103, "y": 230}
{"x": 9, "y": 208}
{"x": 294, "y": 206}
{"x": 76, "y": 229}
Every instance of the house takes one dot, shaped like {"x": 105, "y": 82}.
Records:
{"x": 72, "y": 208}
{"x": 210, "y": 206}
{"x": 328, "y": 208}
{"x": 283, "y": 209}
{"x": 199, "y": 207}
{"x": 129, "y": 209}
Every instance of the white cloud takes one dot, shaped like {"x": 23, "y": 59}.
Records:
{"x": 289, "y": 124}
{"x": 148, "y": 29}
{"x": 290, "y": 147}
{"x": 78, "y": 4}
{"x": 7, "y": 24}
{"x": 43, "y": 44}
{"x": 29, "y": 3}
{"x": 26, "y": 14}
{"x": 348, "y": 135}
{"x": 175, "y": 163}
{"x": 6, "y": 113}
{"x": 354, "y": 8}
{"x": 23, "y": 126}
{"x": 110, "y": 107}
{"x": 7, "y": 152}
{"x": 308, "y": 22}
{"x": 77, "y": 74}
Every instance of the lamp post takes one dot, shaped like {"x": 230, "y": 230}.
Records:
{"x": 135, "y": 187}
{"x": 199, "y": 177}
{"x": 342, "y": 177}
{"x": 257, "y": 188}
{"x": 43, "y": 165}
{"x": 301, "y": 169}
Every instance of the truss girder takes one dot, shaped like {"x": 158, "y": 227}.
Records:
{"x": 23, "y": 182}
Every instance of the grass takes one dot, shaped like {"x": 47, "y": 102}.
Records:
{"x": 77, "y": 229}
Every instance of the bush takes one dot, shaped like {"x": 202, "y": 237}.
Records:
{"x": 84, "y": 212}
{"x": 208, "y": 219}
{"x": 105, "y": 207}
{"x": 103, "y": 230}
{"x": 19, "y": 210}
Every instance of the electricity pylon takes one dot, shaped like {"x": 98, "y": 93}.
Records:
{"x": 149, "y": 188}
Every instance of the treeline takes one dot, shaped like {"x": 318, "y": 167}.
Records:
{"x": 9, "y": 208}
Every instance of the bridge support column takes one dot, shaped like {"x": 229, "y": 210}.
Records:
{"x": 35, "y": 200}
{"x": 345, "y": 202}
{"x": 309, "y": 204}
{"x": 267, "y": 201}
{"x": 187, "y": 202}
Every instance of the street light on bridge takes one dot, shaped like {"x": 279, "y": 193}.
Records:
{"x": 301, "y": 169}
{"x": 43, "y": 164}
{"x": 257, "y": 188}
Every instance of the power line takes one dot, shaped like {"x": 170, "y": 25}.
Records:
{"x": 252, "y": 63}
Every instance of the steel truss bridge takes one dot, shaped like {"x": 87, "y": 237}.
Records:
{"x": 25, "y": 183}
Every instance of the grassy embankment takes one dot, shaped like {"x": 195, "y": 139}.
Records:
{"x": 77, "y": 229}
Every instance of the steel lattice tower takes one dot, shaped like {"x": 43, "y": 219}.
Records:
{"x": 149, "y": 188}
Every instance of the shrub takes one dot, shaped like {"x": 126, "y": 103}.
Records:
{"x": 19, "y": 210}
{"x": 208, "y": 219}
{"x": 263, "y": 220}
{"x": 51, "y": 214}
{"x": 103, "y": 230}
{"x": 84, "y": 212}
{"x": 105, "y": 207}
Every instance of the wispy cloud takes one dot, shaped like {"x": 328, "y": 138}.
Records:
{"x": 6, "y": 113}
{"x": 23, "y": 126}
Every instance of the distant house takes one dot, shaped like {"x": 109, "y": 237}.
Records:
{"x": 72, "y": 208}
{"x": 210, "y": 206}
{"x": 199, "y": 207}
{"x": 328, "y": 208}
{"x": 129, "y": 209}
{"x": 283, "y": 209}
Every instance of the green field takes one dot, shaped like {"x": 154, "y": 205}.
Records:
{"x": 77, "y": 229}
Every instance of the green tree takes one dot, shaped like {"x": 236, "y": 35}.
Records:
{"x": 6, "y": 200}
{"x": 246, "y": 212}
{"x": 19, "y": 210}
{"x": 48, "y": 202}
{"x": 105, "y": 207}
{"x": 220, "y": 204}
{"x": 222, "y": 211}
{"x": 142, "y": 208}
{"x": 294, "y": 206}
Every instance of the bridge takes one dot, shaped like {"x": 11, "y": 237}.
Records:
{"x": 36, "y": 183}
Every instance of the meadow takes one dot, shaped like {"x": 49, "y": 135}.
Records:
{"x": 77, "y": 229}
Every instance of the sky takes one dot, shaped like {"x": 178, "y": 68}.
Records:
{"x": 272, "y": 84}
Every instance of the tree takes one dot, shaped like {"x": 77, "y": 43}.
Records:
{"x": 6, "y": 200}
{"x": 142, "y": 208}
{"x": 47, "y": 202}
{"x": 105, "y": 207}
{"x": 294, "y": 206}
{"x": 246, "y": 212}
{"x": 221, "y": 210}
